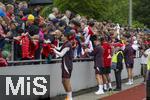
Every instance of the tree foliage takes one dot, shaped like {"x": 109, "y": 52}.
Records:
{"x": 115, "y": 10}
{"x": 142, "y": 11}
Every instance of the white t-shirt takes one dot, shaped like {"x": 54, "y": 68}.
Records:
{"x": 51, "y": 16}
{"x": 135, "y": 45}
{"x": 117, "y": 27}
{"x": 86, "y": 35}
{"x": 66, "y": 19}
{"x": 144, "y": 59}
{"x": 90, "y": 47}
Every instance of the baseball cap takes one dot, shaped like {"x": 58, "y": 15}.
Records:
{"x": 30, "y": 17}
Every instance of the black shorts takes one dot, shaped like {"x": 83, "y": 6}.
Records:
{"x": 129, "y": 65}
{"x": 66, "y": 72}
{"x": 106, "y": 70}
{"x": 98, "y": 70}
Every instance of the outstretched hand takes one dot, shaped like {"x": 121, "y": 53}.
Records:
{"x": 53, "y": 46}
{"x": 86, "y": 50}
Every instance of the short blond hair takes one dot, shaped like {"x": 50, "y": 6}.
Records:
{"x": 2, "y": 6}
{"x": 9, "y": 6}
{"x": 23, "y": 3}
{"x": 54, "y": 9}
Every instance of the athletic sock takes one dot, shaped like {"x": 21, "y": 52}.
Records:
{"x": 100, "y": 87}
{"x": 132, "y": 80}
{"x": 110, "y": 86}
{"x": 105, "y": 86}
{"x": 69, "y": 94}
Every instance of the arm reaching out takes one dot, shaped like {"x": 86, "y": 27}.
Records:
{"x": 63, "y": 52}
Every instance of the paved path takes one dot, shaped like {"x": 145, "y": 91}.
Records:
{"x": 92, "y": 96}
{"x": 134, "y": 93}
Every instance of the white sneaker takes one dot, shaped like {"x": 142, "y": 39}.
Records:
{"x": 129, "y": 83}
{"x": 67, "y": 98}
{"x": 132, "y": 83}
{"x": 99, "y": 92}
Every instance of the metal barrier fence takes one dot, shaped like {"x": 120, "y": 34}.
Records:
{"x": 43, "y": 61}
{"x": 11, "y": 59}
{"x": 12, "y": 62}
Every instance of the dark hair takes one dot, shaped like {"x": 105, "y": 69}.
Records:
{"x": 62, "y": 23}
{"x": 102, "y": 39}
{"x": 75, "y": 22}
{"x": 26, "y": 11}
{"x": 72, "y": 15}
{"x": 68, "y": 31}
{"x": 95, "y": 37}
{"x": 91, "y": 23}
{"x": 36, "y": 21}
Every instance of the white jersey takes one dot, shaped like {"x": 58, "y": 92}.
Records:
{"x": 86, "y": 35}
{"x": 51, "y": 16}
{"x": 66, "y": 19}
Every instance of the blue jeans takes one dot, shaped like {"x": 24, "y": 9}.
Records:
{"x": 2, "y": 43}
{"x": 79, "y": 46}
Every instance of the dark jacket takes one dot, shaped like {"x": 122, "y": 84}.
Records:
{"x": 129, "y": 54}
{"x": 67, "y": 59}
{"x": 120, "y": 60}
{"x": 98, "y": 56}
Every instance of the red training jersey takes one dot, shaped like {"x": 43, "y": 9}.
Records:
{"x": 107, "y": 54}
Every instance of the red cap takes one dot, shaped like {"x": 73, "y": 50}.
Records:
{"x": 24, "y": 18}
{"x": 118, "y": 45}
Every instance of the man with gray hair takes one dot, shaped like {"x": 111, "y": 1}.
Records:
{"x": 66, "y": 17}
{"x": 54, "y": 14}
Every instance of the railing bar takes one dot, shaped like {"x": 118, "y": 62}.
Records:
{"x": 53, "y": 60}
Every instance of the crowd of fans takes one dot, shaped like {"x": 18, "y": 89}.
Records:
{"x": 26, "y": 35}
{"x": 32, "y": 35}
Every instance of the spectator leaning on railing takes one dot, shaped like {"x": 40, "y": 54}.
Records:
{"x": 3, "y": 61}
